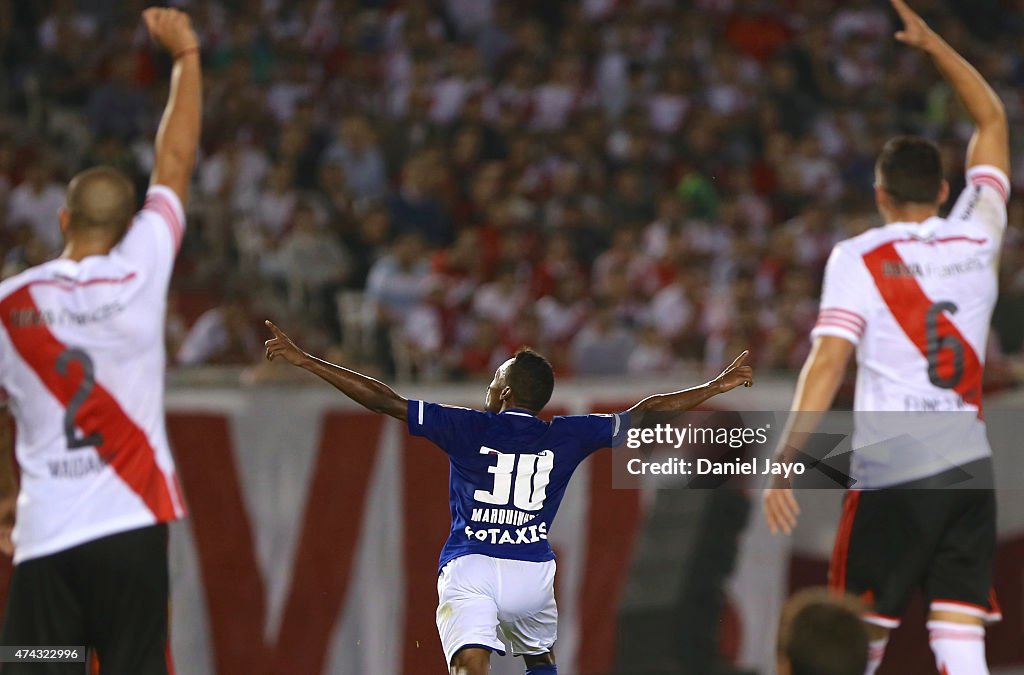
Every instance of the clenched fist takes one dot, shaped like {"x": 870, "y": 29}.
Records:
{"x": 171, "y": 29}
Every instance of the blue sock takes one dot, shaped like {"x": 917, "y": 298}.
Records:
{"x": 546, "y": 669}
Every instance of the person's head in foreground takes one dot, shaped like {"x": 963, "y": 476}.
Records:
{"x": 908, "y": 179}
{"x": 821, "y": 633}
{"x": 524, "y": 382}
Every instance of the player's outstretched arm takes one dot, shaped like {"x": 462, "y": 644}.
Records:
{"x": 8, "y": 484}
{"x": 178, "y": 135}
{"x": 680, "y": 401}
{"x": 366, "y": 391}
{"x": 991, "y": 141}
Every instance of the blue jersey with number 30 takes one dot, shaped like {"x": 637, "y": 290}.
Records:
{"x": 509, "y": 472}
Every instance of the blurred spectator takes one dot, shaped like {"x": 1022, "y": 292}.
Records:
{"x": 234, "y": 173}
{"x": 360, "y": 158}
{"x": 369, "y": 242}
{"x": 623, "y": 256}
{"x": 276, "y": 203}
{"x": 424, "y": 333}
{"x": 502, "y": 299}
{"x": 223, "y": 334}
{"x": 560, "y": 96}
{"x": 314, "y": 267}
{"x": 332, "y": 190}
{"x": 35, "y": 203}
{"x": 27, "y": 250}
{"x": 6, "y": 183}
{"x": 119, "y": 107}
{"x": 673, "y": 308}
{"x": 603, "y": 346}
{"x": 483, "y": 351}
{"x": 630, "y": 203}
{"x": 685, "y": 167}
{"x": 558, "y": 265}
{"x": 415, "y": 206}
{"x": 668, "y": 106}
{"x": 652, "y": 354}
{"x": 563, "y": 312}
{"x": 176, "y": 328}
{"x": 393, "y": 289}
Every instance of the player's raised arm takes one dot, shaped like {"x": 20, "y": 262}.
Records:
{"x": 990, "y": 143}
{"x": 680, "y": 401}
{"x": 366, "y": 391}
{"x": 178, "y": 135}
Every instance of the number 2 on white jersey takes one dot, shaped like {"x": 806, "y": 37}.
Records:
{"x": 64, "y": 361}
{"x": 531, "y": 478}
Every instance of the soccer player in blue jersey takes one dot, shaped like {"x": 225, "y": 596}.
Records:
{"x": 509, "y": 471}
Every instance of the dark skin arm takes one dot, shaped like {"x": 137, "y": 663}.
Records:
{"x": 680, "y": 401}
{"x": 370, "y": 393}
{"x": 379, "y": 397}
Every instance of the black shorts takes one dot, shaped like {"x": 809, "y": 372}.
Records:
{"x": 109, "y": 595}
{"x": 893, "y": 542}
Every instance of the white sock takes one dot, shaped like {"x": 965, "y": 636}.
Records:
{"x": 959, "y": 648}
{"x": 876, "y": 650}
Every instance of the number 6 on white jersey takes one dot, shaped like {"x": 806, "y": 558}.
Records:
{"x": 531, "y": 479}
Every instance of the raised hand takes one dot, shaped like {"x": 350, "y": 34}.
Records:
{"x": 736, "y": 374}
{"x": 281, "y": 345}
{"x": 170, "y": 28}
{"x": 916, "y": 32}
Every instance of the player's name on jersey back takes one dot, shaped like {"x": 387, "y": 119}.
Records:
{"x": 27, "y": 318}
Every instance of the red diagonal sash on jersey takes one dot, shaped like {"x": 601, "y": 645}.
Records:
{"x": 909, "y": 306}
{"x": 125, "y": 446}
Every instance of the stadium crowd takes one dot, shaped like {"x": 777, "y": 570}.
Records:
{"x": 424, "y": 185}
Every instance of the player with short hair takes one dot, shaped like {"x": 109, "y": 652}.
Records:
{"x": 821, "y": 633}
{"x": 509, "y": 470}
{"x": 82, "y": 364}
{"x": 914, "y": 299}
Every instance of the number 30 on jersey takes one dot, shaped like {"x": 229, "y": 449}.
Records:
{"x": 529, "y": 475}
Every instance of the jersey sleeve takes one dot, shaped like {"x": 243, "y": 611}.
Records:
{"x": 153, "y": 240}
{"x": 983, "y": 201}
{"x": 844, "y": 297}
{"x": 444, "y": 425}
{"x": 598, "y": 431}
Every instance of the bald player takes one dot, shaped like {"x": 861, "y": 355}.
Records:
{"x": 82, "y": 368}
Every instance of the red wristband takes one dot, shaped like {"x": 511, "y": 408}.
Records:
{"x": 186, "y": 51}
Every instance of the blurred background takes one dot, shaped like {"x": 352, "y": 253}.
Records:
{"x": 628, "y": 186}
{"x": 639, "y": 189}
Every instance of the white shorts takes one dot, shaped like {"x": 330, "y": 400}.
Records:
{"x": 481, "y": 599}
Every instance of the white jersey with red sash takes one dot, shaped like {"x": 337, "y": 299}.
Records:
{"x": 916, "y": 299}
{"x": 82, "y": 361}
